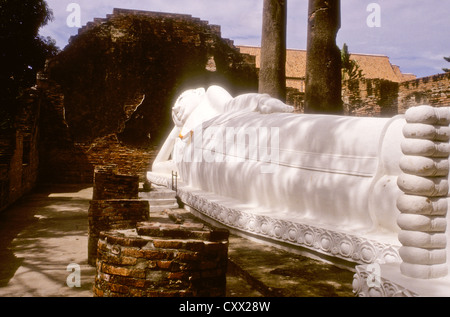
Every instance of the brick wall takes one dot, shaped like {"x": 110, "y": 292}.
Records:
{"x": 109, "y": 93}
{"x": 19, "y": 157}
{"x": 120, "y": 75}
{"x": 370, "y": 97}
{"x": 432, "y": 90}
{"x": 63, "y": 160}
{"x": 376, "y": 97}
{"x": 128, "y": 159}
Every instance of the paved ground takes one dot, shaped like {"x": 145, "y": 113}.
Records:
{"x": 39, "y": 237}
{"x": 45, "y": 232}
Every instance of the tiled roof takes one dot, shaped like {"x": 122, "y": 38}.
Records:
{"x": 373, "y": 66}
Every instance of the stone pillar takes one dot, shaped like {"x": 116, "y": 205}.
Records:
{"x": 272, "y": 75}
{"x": 323, "y": 62}
{"x": 424, "y": 204}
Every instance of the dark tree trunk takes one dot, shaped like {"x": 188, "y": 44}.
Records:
{"x": 272, "y": 77}
{"x": 323, "y": 64}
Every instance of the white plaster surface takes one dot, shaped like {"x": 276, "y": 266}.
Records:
{"x": 332, "y": 184}
{"x": 332, "y": 171}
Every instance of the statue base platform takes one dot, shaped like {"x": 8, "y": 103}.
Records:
{"x": 339, "y": 247}
{"x": 386, "y": 280}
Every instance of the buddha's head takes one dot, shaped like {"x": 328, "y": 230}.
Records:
{"x": 185, "y": 105}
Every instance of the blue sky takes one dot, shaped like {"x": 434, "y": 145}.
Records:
{"x": 415, "y": 34}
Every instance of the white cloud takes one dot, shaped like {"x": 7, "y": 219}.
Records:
{"x": 412, "y": 32}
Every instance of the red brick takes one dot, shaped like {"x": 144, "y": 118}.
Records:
{"x": 104, "y": 277}
{"x": 128, "y": 281}
{"x": 122, "y": 271}
{"x": 194, "y": 245}
{"x": 102, "y": 245}
{"x": 126, "y": 241}
{"x": 168, "y": 244}
{"x": 117, "y": 288}
{"x": 137, "y": 292}
{"x": 186, "y": 256}
{"x": 179, "y": 275}
{"x": 132, "y": 252}
{"x": 121, "y": 260}
{"x": 165, "y": 265}
{"x": 97, "y": 292}
{"x": 158, "y": 254}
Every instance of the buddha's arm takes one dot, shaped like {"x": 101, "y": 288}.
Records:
{"x": 167, "y": 148}
{"x": 257, "y": 102}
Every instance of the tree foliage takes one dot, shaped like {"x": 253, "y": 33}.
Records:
{"x": 350, "y": 68}
{"x": 22, "y": 51}
{"x": 447, "y": 70}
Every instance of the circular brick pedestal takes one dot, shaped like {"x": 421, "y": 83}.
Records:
{"x": 104, "y": 215}
{"x": 162, "y": 260}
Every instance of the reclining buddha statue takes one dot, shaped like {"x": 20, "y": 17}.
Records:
{"x": 324, "y": 182}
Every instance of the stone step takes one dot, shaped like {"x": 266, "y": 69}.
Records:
{"x": 162, "y": 202}
{"x": 160, "y": 199}
{"x": 159, "y": 208}
{"x": 158, "y": 194}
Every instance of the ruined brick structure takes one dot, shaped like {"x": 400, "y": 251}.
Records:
{"x": 120, "y": 75}
{"x": 110, "y": 91}
{"x": 378, "y": 97}
{"x": 162, "y": 260}
{"x": 114, "y": 205}
{"x": 370, "y": 97}
{"x": 109, "y": 184}
{"x": 432, "y": 90}
{"x": 19, "y": 157}
{"x": 139, "y": 256}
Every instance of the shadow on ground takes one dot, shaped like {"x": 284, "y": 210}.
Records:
{"x": 46, "y": 231}
{"x": 40, "y": 236}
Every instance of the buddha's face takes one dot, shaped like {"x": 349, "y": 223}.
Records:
{"x": 186, "y": 104}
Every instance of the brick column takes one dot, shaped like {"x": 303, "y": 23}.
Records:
{"x": 108, "y": 184}
{"x": 104, "y": 215}
{"x": 162, "y": 260}
{"x": 115, "y": 205}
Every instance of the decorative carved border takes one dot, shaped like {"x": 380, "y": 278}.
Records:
{"x": 332, "y": 243}
{"x": 363, "y": 286}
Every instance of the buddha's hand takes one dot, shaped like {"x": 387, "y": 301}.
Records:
{"x": 267, "y": 104}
